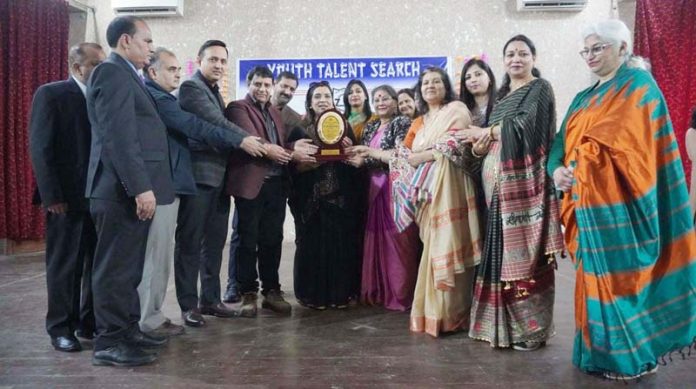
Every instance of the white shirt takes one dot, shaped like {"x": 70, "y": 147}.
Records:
{"x": 82, "y": 86}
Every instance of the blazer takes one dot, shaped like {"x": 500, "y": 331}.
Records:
{"x": 129, "y": 152}
{"x": 246, "y": 174}
{"x": 208, "y": 163}
{"x": 59, "y": 144}
{"x": 183, "y": 126}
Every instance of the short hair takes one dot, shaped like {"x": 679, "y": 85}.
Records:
{"x": 288, "y": 75}
{"x": 78, "y": 52}
{"x": 212, "y": 43}
{"x": 449, "y": 91}
{"x": 366, "y": 104}
{"x": 616, "y": 32}
{"x": 260, "y": 71}
{"x": 156, "y": 60}
{"x": 121, "y": 25}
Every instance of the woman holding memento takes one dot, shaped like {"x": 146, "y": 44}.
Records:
{"x": 625, "y": 209}
{"x": 514, "y": 290}
{"x": 428, "y": 188}
{"x": 357, "y": 107}
{"x": 390, "y": 257}
{"x": 323, "y": 200}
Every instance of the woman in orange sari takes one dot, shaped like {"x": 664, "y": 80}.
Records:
{"x": 628, "y": 225}
{"x": 432, "y": 190}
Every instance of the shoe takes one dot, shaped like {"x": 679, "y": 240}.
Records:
{"x": 231, "y": 295}
{"x": 89, "y": 334}
{"x": 167, "y": 329}
{"x": 274, "y": 301}
{"x": 528, "y": 346}
{"x": 193, "y": 318}
{"x": 248, "y": 308}
{"x": 218, "y": 310}
{"x": 141, "y": 340}
{"x": 67, "y": 343}
{"x": 618, "y": 376}
{"x": 122, "y": 355}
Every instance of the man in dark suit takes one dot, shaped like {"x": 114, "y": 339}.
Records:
{"x": 128, "y": 176}
{"x": 59, "y": 140}
{"x": 260, "y": 189}
{"x": 202, "y": 222}
{"x": 163, "y": 75}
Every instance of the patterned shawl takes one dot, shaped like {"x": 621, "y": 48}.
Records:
{"x": 441, "y": 198}
{"x": 528, "y": 204}
{"x": 628, "y": 227}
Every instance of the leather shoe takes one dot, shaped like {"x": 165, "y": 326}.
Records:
{"x": 167, "y": 329}
{"x": 248, "y": 308}
{"x": 231, "y": 295}
{"x": 193, "y": 318}
{"x": 67, "y": 343}
{"x": 217, "y": 309}
{"x": 141, "y": 339}
{"x": 274, "y": 301}
{"x": 122, "y": 355}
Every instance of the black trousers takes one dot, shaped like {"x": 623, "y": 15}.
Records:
{"x": 70, "y": 241}
{"x": 117, "y": 269}
{"x": 261, "y": 237}
{"x": 200, "y": 237}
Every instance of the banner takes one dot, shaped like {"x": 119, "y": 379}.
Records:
{"x": 399, "y": 72}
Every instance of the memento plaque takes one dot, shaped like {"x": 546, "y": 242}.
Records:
{"x": 331, "y": 129}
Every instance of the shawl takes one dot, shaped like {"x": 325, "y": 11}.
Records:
{"x": 528, "y": 205}
{"x": 440, "y": 198}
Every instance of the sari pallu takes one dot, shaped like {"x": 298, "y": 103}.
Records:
{"x": 628, "y": 227}
{"x": 514, "y": 289}
{"x": 442, "y": 200}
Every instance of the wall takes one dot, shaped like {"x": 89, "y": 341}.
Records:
{"x": 314, "y": 28}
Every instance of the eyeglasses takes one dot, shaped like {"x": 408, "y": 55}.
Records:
{"x": 595, "y": 50}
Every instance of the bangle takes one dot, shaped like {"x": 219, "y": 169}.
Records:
{"x": 474, "y": 154}
{"x": 490, "y": 132}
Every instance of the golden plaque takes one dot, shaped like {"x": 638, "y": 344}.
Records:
{"x": 331, "y": 129}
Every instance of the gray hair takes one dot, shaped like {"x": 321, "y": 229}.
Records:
{"x": 77, "y": 53}
{"x": 156, "y": 60}
{"x": 615, "y": 32}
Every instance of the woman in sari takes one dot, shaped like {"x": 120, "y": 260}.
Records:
{"x": 514, "y": 290}
{"x": 390, "y": 257}
{"x": 441, "y": 199}
{"x": 625, "y": 209}
{"x": 478, "y": 90}
{"x": 357, "y": 107}
{"x": 322, "y": 199}
{"x": 690, "y": 143}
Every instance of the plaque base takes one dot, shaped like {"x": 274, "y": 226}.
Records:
{"x": 327, "y": 155}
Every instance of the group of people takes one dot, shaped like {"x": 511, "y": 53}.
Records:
{"x": 448, "y": 206}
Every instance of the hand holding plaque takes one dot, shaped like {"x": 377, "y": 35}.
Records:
{"x": 331, "y": 129}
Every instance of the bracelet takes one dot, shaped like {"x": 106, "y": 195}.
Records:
{"x": 474, "y": 154}
{"x": 490, "y": 132}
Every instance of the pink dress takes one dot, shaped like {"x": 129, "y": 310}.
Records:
{"x": 390, "y": 258}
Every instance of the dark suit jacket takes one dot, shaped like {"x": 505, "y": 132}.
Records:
{"x": 183, "y": 126}
{"x": 195, "y": 96}
{"x": 245, "y": 174}
{"x": 129, "y": 141}
{"x": 59, "y": 143}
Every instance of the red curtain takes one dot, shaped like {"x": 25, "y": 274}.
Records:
{"x": 33, "y": 51}
{"x": 665, "y": 33}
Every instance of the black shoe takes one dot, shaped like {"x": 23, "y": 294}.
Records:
{"x": 122, "y": 355}
{"x": 141, "y": 339}
{"x": 218, "y": 309}
{"x": 274, "y": 301}
{"x": 67, "y": 343}
{"x": 89, "y": 334}
{"x": 231, "y": 295}
{"x": 193, "y": 318}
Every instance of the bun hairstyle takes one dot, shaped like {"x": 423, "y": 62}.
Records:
{"x": 615, "y": 32}
{"x": 505, "y": 87}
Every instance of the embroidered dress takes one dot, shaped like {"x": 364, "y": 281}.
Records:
{"x": 514, "y": 289}
{"x": 628, "y": 226}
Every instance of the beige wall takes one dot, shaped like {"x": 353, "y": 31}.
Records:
{"x": 367, "y": 28}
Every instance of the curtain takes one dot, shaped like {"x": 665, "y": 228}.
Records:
{"x": 665, "y": 33}
{"x": 33, "y": 51}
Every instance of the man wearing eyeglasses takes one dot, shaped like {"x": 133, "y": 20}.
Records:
{"x": 163, "y": 76}
{"x": 260, "y": 190}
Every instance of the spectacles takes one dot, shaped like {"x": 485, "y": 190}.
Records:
{"x": 595, "y": 50}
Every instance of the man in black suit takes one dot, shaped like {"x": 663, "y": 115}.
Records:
{"x": 129, "y": 174}
{"x": 59, "y": 140}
